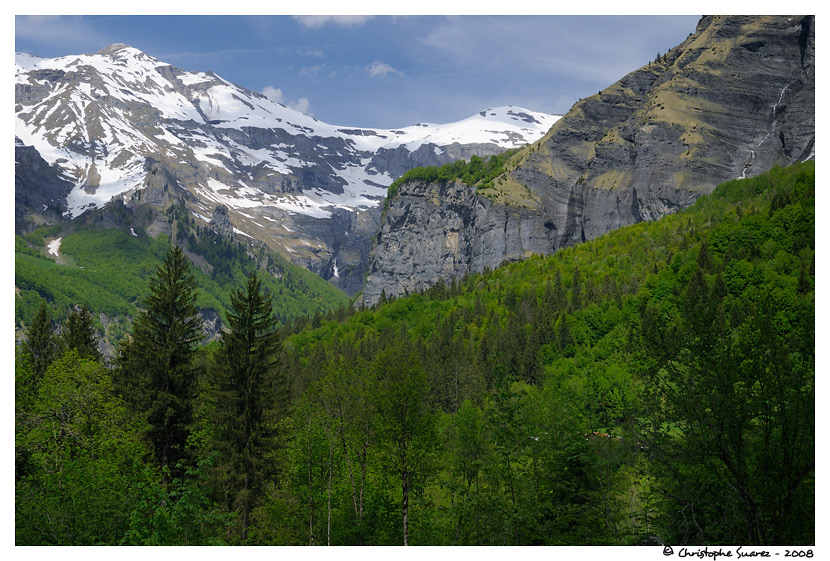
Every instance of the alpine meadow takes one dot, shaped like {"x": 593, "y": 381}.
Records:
{"x": 238, "y": 325}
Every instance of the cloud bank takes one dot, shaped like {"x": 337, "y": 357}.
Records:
{"x": 275, "y": 94}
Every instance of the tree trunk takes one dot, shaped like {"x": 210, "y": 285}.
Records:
{"x": 328, "y": 522}
{"x": 310, "y": 491}
{"x": 362, "y": 460}
{"x": 405, "y": 480}
{"x": 245, "y": 511}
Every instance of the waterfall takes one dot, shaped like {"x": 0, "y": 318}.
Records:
{"x": 751, "y": 159}
{"x": 774, "y": 109}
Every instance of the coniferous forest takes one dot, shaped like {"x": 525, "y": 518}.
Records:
{"x": 653, "y": 386}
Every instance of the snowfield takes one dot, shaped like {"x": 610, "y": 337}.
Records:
{"x": 123, "y": 106}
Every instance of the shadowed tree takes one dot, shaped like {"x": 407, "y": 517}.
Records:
{"x": 157, "y": 372}
{"x": 246, "y": 363}
{"x": 41, "y": 341}
{"x": 78, "y": 333}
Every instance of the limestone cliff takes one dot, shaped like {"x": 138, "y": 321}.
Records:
{"x": 734, "y": 99}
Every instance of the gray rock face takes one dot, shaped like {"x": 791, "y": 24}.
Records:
{"x": 39, "y": 191}
{"x": 736, "y": 98}
{"x": 445, "y": 230}
{"x": 220, "y": 221}
{"x": 336, "y": 248}
{"x": 122, "y": 125}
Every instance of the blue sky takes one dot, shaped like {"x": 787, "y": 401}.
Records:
{"x": 383, "y": 71}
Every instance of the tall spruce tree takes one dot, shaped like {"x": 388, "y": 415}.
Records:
{"x": 157, "y": 374}
{"x": 41, "y": 341}
{"x": 79, "y": 333}
{"x": 246, "y": 364}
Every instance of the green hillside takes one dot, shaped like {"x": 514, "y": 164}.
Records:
{"x": 107, "y": 270}
{"x": 596, "y": 395}
{"x": 653, "y": 386}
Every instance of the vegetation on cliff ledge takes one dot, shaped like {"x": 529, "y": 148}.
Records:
{"x": 476, "y": 171}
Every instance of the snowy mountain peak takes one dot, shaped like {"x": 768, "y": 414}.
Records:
{"x": 115, "y": 47}
{"x": 99, "y": 119}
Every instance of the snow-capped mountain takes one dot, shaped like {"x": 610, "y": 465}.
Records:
{"x": 105, "y": 122}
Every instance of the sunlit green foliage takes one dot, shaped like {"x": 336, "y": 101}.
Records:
{"x": 107, "y": 271}
{"x": 579, "y": 464}
{"x": 475, "y": 171}
{"x": 85, "y": 457}
{"x": 655, "y": 385}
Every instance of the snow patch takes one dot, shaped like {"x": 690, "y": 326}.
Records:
{"x": 112, "y": 184}
{"x": 54, "y": 247}
{"x": 190, "y": 78}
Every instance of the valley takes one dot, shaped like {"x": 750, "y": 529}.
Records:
{"x": 238, "y": 325}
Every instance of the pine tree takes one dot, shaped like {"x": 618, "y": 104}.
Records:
{"x": 157, "y": 373}
{"x": 576, "y": 291}
{"x": 558, "y": 298}
{"x": 41, "y": 341}
{"x": 79, "y": 333}
{"x": 246, "y": 363}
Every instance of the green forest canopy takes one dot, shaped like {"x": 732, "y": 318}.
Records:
{"x": 655, "y": 385}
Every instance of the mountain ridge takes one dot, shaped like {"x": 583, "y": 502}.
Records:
{"x": 734, "y": 99}
{"x": 283, "y": 176}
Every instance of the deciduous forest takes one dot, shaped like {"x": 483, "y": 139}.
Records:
{"x": 653, "y": 386}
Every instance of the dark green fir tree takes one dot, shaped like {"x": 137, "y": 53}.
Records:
{"x": 41, "y": 341}
{"x": 157, "y": 372}
{"x": 243, "y": 393}
{"x": 79, "y": 333}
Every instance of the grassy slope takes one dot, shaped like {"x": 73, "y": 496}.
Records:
{"x": 108, "y": 271}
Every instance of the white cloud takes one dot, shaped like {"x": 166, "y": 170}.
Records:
{"x": 316, "y": 22}
{"x": 275, "y": 94}
{"x": 381, "y": 69}
{"x": 272, "y": 93}
{"x": 311, "y": 71}
{"x": 312, "y": 52}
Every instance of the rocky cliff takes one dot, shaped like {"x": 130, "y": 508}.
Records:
{"x": 734, "y": 99}
{"x": 92, "y": 129}
{"x": 39, "y": 190}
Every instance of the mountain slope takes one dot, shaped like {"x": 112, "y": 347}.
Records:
{"x": 689, "y": 339}
{"x": 299, "y": 185}
{"x": 107, "y": 270}
{"x": 732, "y": 100}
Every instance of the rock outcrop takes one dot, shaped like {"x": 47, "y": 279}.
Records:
{"x": 734, "y": 99}
{"x": 121, "y": 125}
{"x": 436, "y": 231}
{"x": 39, "y": 190}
